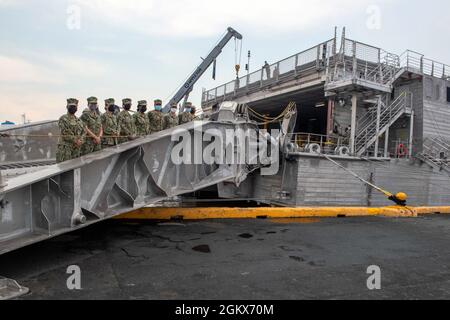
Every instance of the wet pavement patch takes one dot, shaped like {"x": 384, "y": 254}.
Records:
{"x": 203, "y": 248}
{"x": 246, "y": 235}
{"x": 299, "y": 259}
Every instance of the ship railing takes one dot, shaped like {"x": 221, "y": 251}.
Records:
{"x": 417, "y": 62}
{"x": 328, "y": 144}
{"x": 436, "y": 148}
{"x": 315, "y": 58}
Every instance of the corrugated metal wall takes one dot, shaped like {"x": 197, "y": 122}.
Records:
{"x": 320, "y": 183}
{"x": 436, "y": 109}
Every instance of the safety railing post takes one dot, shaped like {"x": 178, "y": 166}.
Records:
{"x": 248, "y": 81}
{"x": 355, "y": 61}
{"x": 262, "y": 77}
{"x": 278, "y": 72}
{"x": 296, "y": 64}
{"x": 318, "y": 58}
{"x": 3, "y": 182}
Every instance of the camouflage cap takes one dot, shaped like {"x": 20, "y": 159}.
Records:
{"x": 174, "y": 105}
{"x": 110, "y": 101}
{"x": 72, "y": 102}
{"x": 92, "y": 100}
{"x": 188, "y": 104}
{"x": 126, "y": 101}
{"x": 142, "y": 103}
{"x": 158, "y": 101}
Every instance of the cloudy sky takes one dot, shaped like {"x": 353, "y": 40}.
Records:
{"x": 144, "y": 49}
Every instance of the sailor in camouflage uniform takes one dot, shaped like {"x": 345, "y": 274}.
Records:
{"x": 110, "y": 127}
{"x": 94, "y": 129}
{"x": 108, "y": 102}
{"x": 141, "y": 121}
{"x": 186, "y": 115}
{"x": 193, "y": 116}
{"x": 72, "y": 132}
{"x": 170, "y": 120}
{"x": 155, "y": 117}
{"x": 127, "y": 129}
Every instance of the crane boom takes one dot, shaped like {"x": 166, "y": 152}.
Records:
{"x": 186, "y": 88}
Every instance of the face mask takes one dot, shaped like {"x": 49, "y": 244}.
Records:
{"x": 142, "y": 109}
{"x": 111, "y": 108}
{"x": 173, "y": 110}
{"x": 158, "y": 108}
{"x": 72, "y": 109}
{"x": 93, "y": 107}
{"x": 127, "y": 107}
{"x": 187, "y": 109}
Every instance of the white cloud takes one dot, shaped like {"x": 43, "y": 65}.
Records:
{"x": 7, "y": 2}
{"x": 77, "y": 66}
{"x": 52, "y": 70}
{"x": 208, "y": 17}
{"x": 16, "y": 70}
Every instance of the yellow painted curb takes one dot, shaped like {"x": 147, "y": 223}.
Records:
{"x": 265, "y": 212}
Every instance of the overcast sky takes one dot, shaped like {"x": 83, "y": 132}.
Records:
{"x": 144, "y": 49}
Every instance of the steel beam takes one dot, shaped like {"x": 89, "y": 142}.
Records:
{"x": 76, "y": 193}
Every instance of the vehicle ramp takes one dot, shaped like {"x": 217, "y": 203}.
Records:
{"x": 76, "y": 193}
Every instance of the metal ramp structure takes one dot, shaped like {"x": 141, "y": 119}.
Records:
{"x": 76, "y": 193}
{"x": 378, "y": 120}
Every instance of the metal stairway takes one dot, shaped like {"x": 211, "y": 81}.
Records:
{"x": 435, "y": 153}
{"x": 371, "y": 127}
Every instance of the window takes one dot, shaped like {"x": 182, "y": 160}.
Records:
{"x": 448, "y": 94}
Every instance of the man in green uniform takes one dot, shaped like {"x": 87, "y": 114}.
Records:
{"x": 108, "y": 102}
{"x": 155, "y": 117}
{"x": 94, "y": 129}
{"x": 127, "y": 129}
{"x": 141, "y": 121}
{"x": 72, "y": 132}
{"x": 186, "y": 115}
{"x": 170, "y": 120}
{"x": 193, "y": 112}
{"x": 109, "y": 123}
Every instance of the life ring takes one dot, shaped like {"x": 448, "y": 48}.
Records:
{"x": 402, "y": 150}
{"x": 291, "y": 147}
{"x": 313, "y": 148}
{"x": 342, "y": 151}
